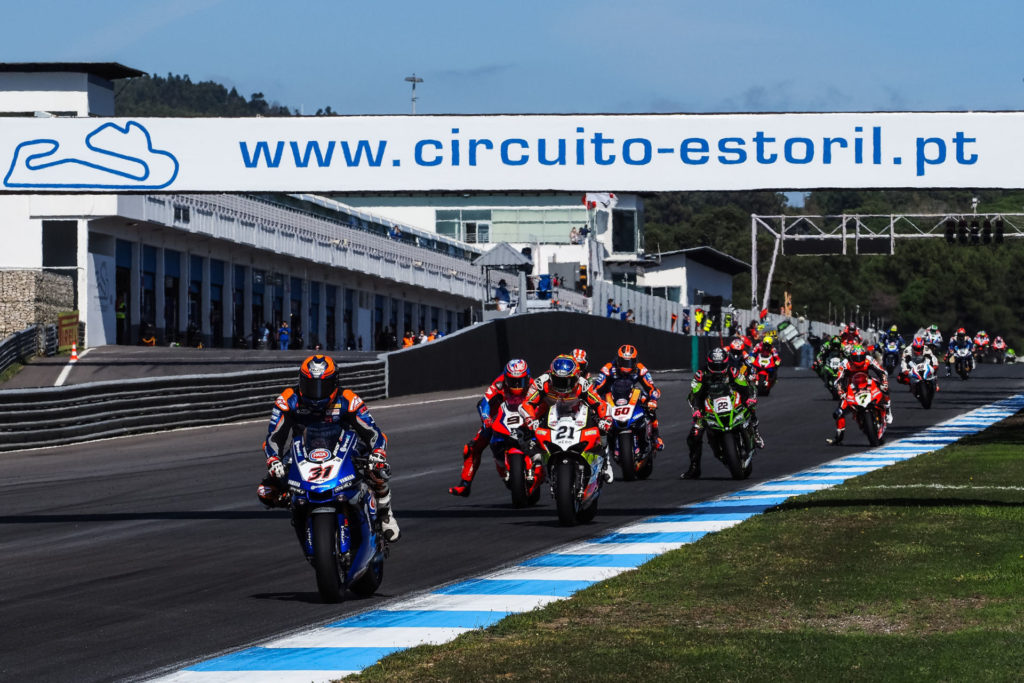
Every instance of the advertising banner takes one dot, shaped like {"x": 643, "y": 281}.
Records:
{"x": 67, "y": 330}
{"x": 652, "y": 152}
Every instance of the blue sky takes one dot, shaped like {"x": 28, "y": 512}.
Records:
{"x": 553, "y": 56}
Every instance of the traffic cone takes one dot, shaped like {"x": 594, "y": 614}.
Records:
{"x": 74, "y": 352}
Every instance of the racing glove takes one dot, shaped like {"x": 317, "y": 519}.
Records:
{"x": 379, "y": 467}
{"x": 275, "y": 467}
{"x": 751, "y": 403}
{"x": 652, "y": 405}
{"x": 532, "y": 424}
{"x": 488, "y": 421}
{"x": 604, "y": 424}
{"x": 697, "y": 415}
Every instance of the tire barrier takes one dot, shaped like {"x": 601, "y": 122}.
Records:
{"x": 18, "y": 346}
{"x": 53, "y": 416}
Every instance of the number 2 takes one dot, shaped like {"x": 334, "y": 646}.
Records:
{"x": 565, "y": 432}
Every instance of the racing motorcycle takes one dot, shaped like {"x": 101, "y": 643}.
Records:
{"x": 730, "y": 429}
{"x": 629, "y": 438}
{"x": 334, "y": 512}
{"x": 891, "y": 356}
{"x": 829, "y": 371}
{"x": 510, "y": 443}
{"x": 921, "y": 377}
{"x": 864, "y": 396}
{"x": 963, "y": 362}
{"x": 574, "y": 460}
{"x": 766, "y": 369}
{"x": 998, "y": 350}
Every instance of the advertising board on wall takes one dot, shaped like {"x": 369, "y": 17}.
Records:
{"x": 573, "y": 152}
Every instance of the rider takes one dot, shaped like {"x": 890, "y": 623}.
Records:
{"x": 509, "y": 387}
{"x": 933, "y": 337}
{"x": 626, "y": 366}
{"x": 580, "y": 356}
{"x": 317, "y": 398}
{"x": 859, "y": 361}
{"x": 914, "y": 354}
{"x": 563, "y": 383}
{"x": 717, "y": 370}
{"x": 832, "y": 344}
{"x": 960, "y": 340}
{"x": 893, "y": 335}
{"x": 850, "y": 335}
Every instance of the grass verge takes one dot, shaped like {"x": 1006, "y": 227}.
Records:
{"x": 12, "y": 370}
{"x": 911, "y": 573}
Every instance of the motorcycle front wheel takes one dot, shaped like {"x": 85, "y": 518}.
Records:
{"x": 325, "y": 556}
{"x": 517, "y": 478}
{"x": 926, "y": 393}
{"x": 565, "y": 491}
{"x": 367, "y": 584}
{"x": 731, "y": 455}
{"x": 625, "y": 441}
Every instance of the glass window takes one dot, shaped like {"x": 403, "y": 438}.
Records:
{"x": 623, "y": 231}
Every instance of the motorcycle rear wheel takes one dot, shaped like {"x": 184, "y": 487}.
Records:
{"x": 565, "y": 493}
{"x": 325, "y": 556}
{"x": 517, "y": 478}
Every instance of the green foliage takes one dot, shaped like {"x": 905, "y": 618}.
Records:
{"x": 179, "y": 96}
{"x": 925, "y": 282}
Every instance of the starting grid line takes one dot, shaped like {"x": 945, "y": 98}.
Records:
{"x": 442, "y": 614}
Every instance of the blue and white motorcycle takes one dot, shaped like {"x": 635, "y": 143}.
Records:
{"x": 335, "y": 513}
{"x": 629, "y": 439}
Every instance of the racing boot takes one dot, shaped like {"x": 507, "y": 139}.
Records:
{"x": 838, "y": 438}
{"x": 888, "y": 413}
{"x": 608, "y": 473}
{"x": 461, "y": 489}
{"x": 694, "y": 471}
{"x": 502, "y": 472}
{"x": 388, "y": 524}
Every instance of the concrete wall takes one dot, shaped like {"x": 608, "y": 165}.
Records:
{"x": 475, "y": 356}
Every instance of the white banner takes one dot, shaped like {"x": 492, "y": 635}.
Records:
{"x": 565, "y": 152}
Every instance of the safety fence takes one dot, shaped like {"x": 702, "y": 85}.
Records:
{"x": 18, "y": 346}
{"x": 53, "y": 416}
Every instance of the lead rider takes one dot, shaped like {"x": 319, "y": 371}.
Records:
{"x": 316, "y": 399}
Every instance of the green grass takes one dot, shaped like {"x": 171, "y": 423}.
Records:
{"x": 12, "y": 370}
{"x": 911, "y": 573}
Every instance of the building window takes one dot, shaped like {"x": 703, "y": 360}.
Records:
{"x": 182, "y": 214}
{"x": 467, "y": 225}
{"x": 624, "y": 233}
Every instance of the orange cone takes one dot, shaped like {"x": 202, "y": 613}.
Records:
{"x": 74, "y": 352}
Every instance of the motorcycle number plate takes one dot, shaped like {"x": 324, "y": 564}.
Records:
{"x": 863, "y": 398}
{"x": 622, "y": 412}
{"x": 723, "y": 404}
{"x": 513, "y": 420}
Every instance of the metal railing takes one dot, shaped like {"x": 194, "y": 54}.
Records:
{"x": 18, "y": 347}
{"x": 53, "y": 416}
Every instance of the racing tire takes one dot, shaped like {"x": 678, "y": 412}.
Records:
{"x": 926, "y": 393}
{"x": 565, "y": 494}
{"x": 871, "y": 427}
{"x": 763, "y": 388}
{"x": 367, "y": 584}
{"x": 588, "y": 513}
{"x": 517, "y": 478}
{"x": 625, "y": 443}
{"x": 731, "y": 455}
{"x": 646, "y": 468}
{"x": 325, "y": 556}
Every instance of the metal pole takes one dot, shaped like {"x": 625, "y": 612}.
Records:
{"x": 753, "y": 263}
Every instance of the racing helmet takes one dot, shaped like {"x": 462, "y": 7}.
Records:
{"x": 626, "y": 359}
{"x": 894, "y": 330}
{"x": 736, "y": 346}
{"x": 767, "y": 343}
{"x": 982, "y": 334}
{"x": 580, "y": 356}
{"x": 933, "y": 328}
{"x": 565, "y": 373}
{"x": 717, "y": 363}
{"x": 859, "y": 358}
{"x": 517, "y": 376}
{"x": 961, "y": 334}
{"x": 852, "y": 328}
{"x": 318, "y": 381}
{"x": 917, "y": 347}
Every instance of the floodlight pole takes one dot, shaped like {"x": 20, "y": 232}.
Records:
{"x": 414, "y": 80}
